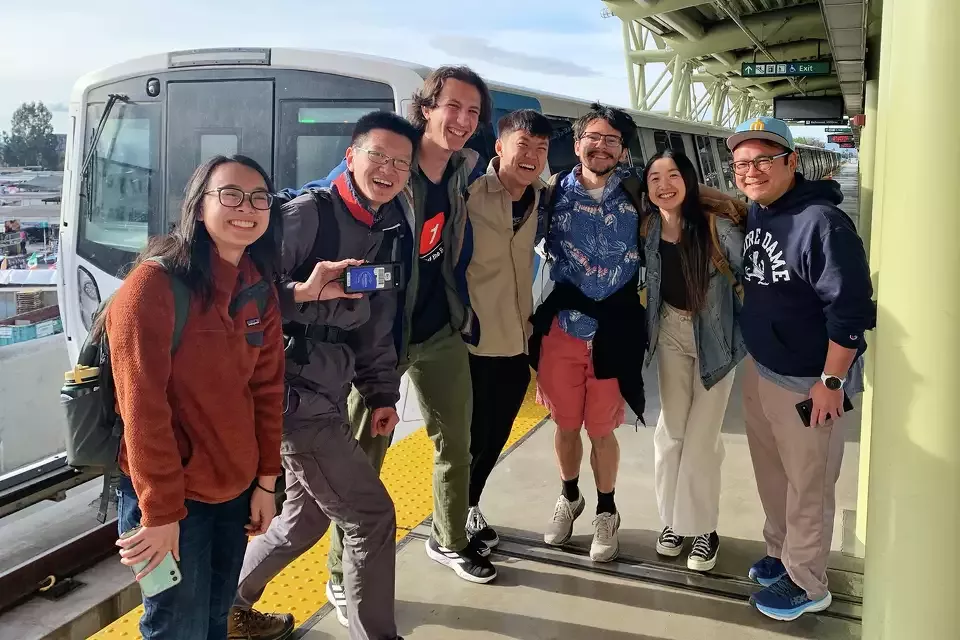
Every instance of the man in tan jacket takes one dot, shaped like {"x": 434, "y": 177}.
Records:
{"x": 502, "y": 208}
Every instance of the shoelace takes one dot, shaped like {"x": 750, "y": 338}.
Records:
{"x": 785, "y": 588}
{"x": 479, "y": 522}
{"x": 562, "y": 511}
{"x": 701, "y": 546}
{"x": 255, "y": 621}
{"x": 670, "y": 537}
{"x": 604, "y": 524}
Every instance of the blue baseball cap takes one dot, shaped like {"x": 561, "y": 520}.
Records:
{"x": 762, "y": 128}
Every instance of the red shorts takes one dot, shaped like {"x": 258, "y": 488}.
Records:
{"x": 568, "y": 388}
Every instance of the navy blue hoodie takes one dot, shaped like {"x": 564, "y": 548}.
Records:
{"x": 807, "y": 280}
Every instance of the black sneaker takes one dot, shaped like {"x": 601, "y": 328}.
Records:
{"x": 669, "y": 543}
{"x": 703, "y": 556}
{"x": 470, "y": 563}
{"x": 477, "y": 527}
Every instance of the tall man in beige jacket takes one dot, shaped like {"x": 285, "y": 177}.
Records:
{"x": 502, "y": 207}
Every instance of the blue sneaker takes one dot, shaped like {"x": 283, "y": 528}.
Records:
{"x": 768, "y": 571}
{"x": 786, "y": 601}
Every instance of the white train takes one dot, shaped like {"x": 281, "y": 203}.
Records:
{"x": 138, "y": 129}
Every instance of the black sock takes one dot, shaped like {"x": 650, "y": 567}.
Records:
{"x": 570, "y": 490}
{"x": 605, "y": 503}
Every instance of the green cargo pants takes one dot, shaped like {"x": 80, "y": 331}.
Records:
{"x": 440, "y": 370}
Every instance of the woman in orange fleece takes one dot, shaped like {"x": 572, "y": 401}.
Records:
{"x": 202, "y": 424}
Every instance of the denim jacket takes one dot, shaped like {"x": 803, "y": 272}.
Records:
{"x": 716, "y": 328}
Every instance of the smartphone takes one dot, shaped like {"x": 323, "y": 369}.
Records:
{"x": 373, "y": 277}
{"x": 805, "y": 409}
{"x": 164, "y": 576}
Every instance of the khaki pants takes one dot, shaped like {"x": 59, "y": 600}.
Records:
{"x": 687, "y": 444}
{"x": 797, "y": 468}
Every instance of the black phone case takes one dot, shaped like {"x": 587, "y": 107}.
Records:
{"x": 805, "y": 408}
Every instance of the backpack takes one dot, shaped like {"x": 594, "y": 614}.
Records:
{"x": 732, "y": 210}
{"x": 88, "y": 397}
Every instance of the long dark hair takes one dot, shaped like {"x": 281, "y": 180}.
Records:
{"x": 694, "y": 230}
{"x": 186, "y": 251}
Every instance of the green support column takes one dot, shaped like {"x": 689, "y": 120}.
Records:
{"x": 912, "y": 581}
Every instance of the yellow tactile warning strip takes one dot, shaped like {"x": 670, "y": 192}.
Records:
{"x": 408, "y": 475}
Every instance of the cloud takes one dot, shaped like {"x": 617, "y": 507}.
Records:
{"x": 58, "y": 107}
{"x": 481, "y": 49}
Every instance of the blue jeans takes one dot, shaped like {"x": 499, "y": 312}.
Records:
{"x": 212, "y": 545}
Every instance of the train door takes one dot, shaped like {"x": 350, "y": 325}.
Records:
{"x": 708, "y": 163}
{"x": 209, "y": 118}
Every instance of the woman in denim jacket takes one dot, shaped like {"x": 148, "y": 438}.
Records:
{"x": 692, "y": 309}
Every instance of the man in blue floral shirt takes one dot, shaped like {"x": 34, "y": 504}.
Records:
{"x": 592, "y": 248}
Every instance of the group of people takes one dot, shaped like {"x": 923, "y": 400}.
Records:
{"x": 306, "y": 386}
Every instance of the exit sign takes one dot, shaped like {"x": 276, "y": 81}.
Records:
{"x": 793, "y": 68}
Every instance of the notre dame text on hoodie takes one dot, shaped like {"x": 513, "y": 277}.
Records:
{"x": 807, "y": 280}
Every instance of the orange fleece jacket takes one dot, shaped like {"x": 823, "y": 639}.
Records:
{"x": 202, "y": 424}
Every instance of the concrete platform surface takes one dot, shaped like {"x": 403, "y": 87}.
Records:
{"x": 538, "y": 601}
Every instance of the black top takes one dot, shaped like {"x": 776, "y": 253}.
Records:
{"x": 521, "y": 206}
{"x": 431, "y": 311}
{"x": 673, "y": 288}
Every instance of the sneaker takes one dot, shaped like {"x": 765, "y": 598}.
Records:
{"x": 477, "y": 527}
{"x": 703, "y": 556}
{"x": 250, "y": 624}
{"x": 768, "y": 571}
{"x": 470, "y": 564}
{"x": 561, "y": 527}
{"x": 785, "y": 601}
{"x": 669, "y": 543}
{"x": 338, "y": 598}
{"x": 606, "y": 543}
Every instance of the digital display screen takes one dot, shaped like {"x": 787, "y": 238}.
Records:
{"x": 368, "y": 278}
{"x": 816, "y": 108}
{"x": 840, "y": 138}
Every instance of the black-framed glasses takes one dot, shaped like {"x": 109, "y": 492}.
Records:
{"x": 762, "y": 163}
{"x": 376, "y": 157}
{"x": 233, "y": 197}
{"x": 608, "y": 140}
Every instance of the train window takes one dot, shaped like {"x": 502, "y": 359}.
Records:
{"x": 708, "y": 166}
{"x": 213, "y": 144}
{"x": 314, "y": 135}
{"x": 668, "y": 140}
{"x": 726, "y": 158}
{"x": 120, "y": 188}
{"x": 561, "y": 155}
{"x": 636, "y": 151}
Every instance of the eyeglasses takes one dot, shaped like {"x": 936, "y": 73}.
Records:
{"x": 762, "y": 163}
{"x": 233, "y": 197}
{"x": 611, "y": 141}
{"x": 382, "y": 159}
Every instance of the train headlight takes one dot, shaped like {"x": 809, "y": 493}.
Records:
{"x": 89, "y": 295}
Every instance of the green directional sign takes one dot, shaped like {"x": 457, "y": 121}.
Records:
{"x": 791, "y": 68}
{"x": 838, "y": 130}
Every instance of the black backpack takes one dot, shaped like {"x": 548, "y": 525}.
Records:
{"x": 94, "y": 430}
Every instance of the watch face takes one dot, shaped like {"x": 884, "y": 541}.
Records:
{"x": 833, "y": 383}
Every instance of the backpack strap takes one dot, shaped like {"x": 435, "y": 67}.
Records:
{"x": 634, "y": 188}
{"x": 181, "y": 302}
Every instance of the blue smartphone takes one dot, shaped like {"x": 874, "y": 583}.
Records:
{"x": 164, "y": 576}
{"x": 373, "y": 277}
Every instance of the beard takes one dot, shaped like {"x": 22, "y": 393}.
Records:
{"x": 597, "y": 166}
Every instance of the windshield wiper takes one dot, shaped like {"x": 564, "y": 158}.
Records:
{"x": 111, "y": 100}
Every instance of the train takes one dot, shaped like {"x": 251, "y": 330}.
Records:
{"x": 138, "y": 129}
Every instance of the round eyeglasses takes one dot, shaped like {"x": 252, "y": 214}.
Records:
{"x": 233, "y": 197}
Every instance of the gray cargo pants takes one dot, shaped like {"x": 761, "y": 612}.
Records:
{"x": 328, "y": 477}
{"x": 440, "y": 370}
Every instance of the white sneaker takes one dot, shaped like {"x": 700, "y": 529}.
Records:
{"x": 561, "y": 526}
{"x": 338, "y": 598}
{"x": 606, "y": 543}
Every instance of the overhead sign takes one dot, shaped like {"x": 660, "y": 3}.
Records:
{"x": 840, "y": 138}
{"x": 791, "y": 68}
{"x": 838, "y": 130}
{"x": 847, "y": 145}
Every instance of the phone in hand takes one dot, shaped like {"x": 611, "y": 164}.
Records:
{"x": 164, "y": 576}
{"x": 368, "y": 278}
{"x": 805, "y": 409}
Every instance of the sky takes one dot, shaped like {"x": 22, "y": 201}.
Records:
{"x": 562, "y": 46}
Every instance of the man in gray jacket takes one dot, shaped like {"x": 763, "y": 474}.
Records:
{"x": 335, "y": 339}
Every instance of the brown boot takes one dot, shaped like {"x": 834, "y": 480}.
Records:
{"x": 250, "y": 624}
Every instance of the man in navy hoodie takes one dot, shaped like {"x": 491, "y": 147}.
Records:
{"x": 807, "y": 304}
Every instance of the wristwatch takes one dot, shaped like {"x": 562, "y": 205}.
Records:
{"x": 832, "y": 382}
